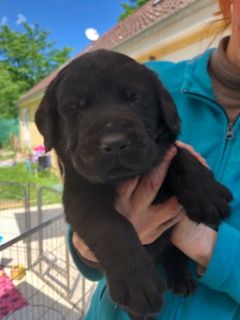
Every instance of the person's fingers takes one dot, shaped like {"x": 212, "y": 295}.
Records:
{"x": 126, "y": 188}
{"x": 171, "y": 222}
{"x": 148, "y": 237}
{"x": 150, "y": 184}
{"x": 123, "y": 195}
{"x": 193, "y": 152}
{"x": 163, "y": 212}
{"x": 147, "y": 223}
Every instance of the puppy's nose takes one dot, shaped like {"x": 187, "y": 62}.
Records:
{"x": 114, "y": 143}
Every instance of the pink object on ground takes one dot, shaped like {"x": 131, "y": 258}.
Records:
{"x": 10, "y": 297}
{"x": 40, "y": 148}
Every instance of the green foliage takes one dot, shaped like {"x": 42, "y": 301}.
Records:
{"x": 129, "y": 9}
{"x": 9, "y": 93}
{"x": 25, "y": 58}
{"x": 8, "y": 127}
{"x": 19, "y": 174}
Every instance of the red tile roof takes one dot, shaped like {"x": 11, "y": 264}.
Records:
{"x": 146, "y": 16}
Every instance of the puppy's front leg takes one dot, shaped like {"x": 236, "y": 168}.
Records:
{"x": 204, "y": 199}
{"x": 132, "y": 278}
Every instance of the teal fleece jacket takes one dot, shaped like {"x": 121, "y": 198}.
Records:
{"x": 205, "y": 126}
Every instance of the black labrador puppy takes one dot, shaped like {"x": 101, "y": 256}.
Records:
{"x": 110, "y": 119}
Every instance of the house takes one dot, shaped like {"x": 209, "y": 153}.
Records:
{"x": 161, "y": 29}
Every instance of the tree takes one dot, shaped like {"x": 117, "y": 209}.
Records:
{"x": 25, "y": 58}
{"x": 129, "y": 9}
{"x": 9, "y": 94}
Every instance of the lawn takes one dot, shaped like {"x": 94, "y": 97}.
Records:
{"x": 18, "y": 173}
{"x": 7, "y": 155}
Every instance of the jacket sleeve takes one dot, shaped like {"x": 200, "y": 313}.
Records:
{"x": 91, "y": 273}
{"x": 223, "y": 271}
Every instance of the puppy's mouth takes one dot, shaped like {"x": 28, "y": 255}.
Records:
{"x": 119, "y": 173}
{"x": 101, "y": 165}
{"x": 113, "y": 172}
{"x": 114, "y": 176}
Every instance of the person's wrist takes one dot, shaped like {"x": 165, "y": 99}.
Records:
{"x": 203, "y": 246}
{"x": 205, "y": 255}
{"x": 196, "y": 241}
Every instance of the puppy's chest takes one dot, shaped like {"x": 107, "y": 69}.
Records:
{"x": 158, "y": 250}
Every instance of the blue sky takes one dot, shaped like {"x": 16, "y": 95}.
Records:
{"x": 65, "y": 20}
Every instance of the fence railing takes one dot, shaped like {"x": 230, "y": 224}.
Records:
{"x": 37, "y": 264}
{"x": 14, "y": 209}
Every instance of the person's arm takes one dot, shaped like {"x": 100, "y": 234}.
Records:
{"x": 88, "y": 268}
{"x": 216, "y": 253}
{"x": 222, "y": 272}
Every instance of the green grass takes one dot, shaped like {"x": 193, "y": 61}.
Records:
{"x": 8, "y": 156}
{"x": 18, "y": 173}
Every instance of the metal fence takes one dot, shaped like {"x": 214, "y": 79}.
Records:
{"x": 25, "y": 206}
{"x": 36, "y": 265}
{"x": 14, "y": 208}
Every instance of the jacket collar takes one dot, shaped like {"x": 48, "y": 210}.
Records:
{"x": 196, "y": 78}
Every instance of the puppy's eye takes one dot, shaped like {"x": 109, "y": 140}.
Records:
{"x": 133, "y": 96}
{"x": 78, "y": 105}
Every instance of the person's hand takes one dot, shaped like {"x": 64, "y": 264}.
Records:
{"x": 196, "y": 241}
{"x": 134, "y": 201}
{"x": 135, "y": 197}
{"x": 233, "y": 49}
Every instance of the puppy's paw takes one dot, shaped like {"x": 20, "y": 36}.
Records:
{"x": 210, "y": 205}
{"x": 184, "y": 287}
{"x": 139, "y": 291}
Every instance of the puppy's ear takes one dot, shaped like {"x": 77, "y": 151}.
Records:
{"x": 44, "y": 118}
{"x": 168, "y": 111}
{"x": 46, "y": 115}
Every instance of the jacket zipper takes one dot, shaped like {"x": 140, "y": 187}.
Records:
{"x": 230, "y": 131}
{"x": 230, "y": 134}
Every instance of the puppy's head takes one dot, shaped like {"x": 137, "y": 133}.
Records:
{"x": 107, "y": 116}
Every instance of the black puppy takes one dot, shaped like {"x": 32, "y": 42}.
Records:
{"x": 110, "y": 119}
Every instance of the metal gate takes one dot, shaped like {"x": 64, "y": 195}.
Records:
{"x": 35, "y": 261}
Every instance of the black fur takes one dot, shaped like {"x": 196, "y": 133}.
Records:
{"x": 110, "y": 119}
